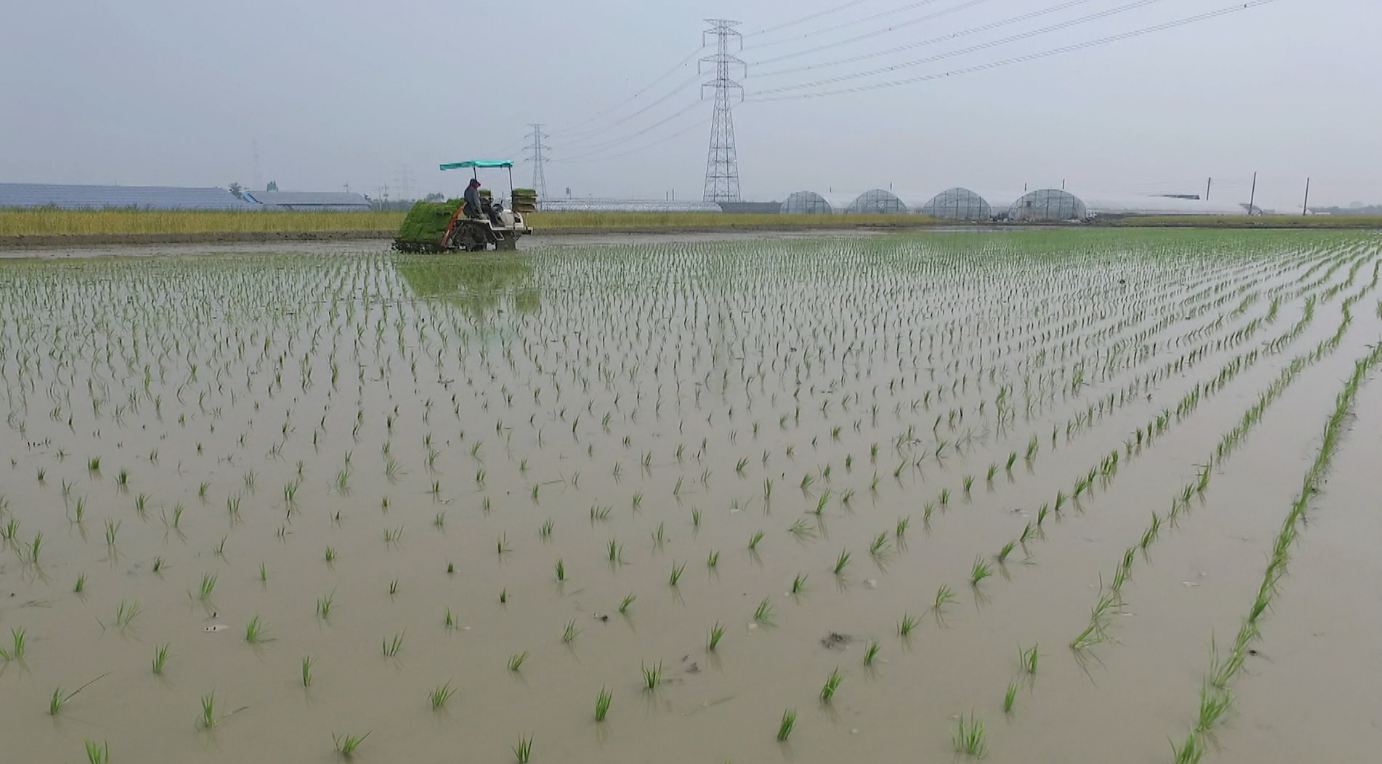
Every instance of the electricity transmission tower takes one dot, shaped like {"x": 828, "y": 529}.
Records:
{"x": 722, "y": 160}
{"x": 536, "y": 154}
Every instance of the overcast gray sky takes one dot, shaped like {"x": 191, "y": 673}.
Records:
{"x": 345, "y": 92}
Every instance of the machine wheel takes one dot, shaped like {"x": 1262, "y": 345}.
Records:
{"x": 468, "y": 237}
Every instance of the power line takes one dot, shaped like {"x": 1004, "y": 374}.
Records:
{"x": 977, "y": 47}
{"x": 622, "y": 139}
{"x": 757, "y": 97}
{"x": 722, "y": 158}
{"x": 578, "y": 126}
{"x": 842, "y": 25}
{"x": 908, "y": 46}
{"x": 804, "y": 19}
{"x": 599, "y": 132}
{"x": 605, "y": 156}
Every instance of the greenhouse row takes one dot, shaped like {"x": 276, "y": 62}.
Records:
{"x": 1041, "y": 205}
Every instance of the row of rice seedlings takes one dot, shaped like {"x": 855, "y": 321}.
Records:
{"x": 1215, "y": 696}
{"x": 1096, "y": 631}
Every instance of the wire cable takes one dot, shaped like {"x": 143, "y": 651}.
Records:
{"x": 690, "y": 57}
{"x": 1237, "y": 8}
{"x": 908, "y": 46}
{"x": 804, "y": 19}
{"x": 1066, "y": 24}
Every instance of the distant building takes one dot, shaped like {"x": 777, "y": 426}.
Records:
{"x": 333, "y": 201}
{"x": 65, "y": 197}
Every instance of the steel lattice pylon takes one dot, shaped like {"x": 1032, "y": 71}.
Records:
{"x": 537, "y": 155}
{"x": 722, "y": 160}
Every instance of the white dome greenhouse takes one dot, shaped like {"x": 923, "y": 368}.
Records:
{"x": 1048, "y": 205}
{"x": 877, "y": 201}
{"x": 806, "y": 203}
{"x": 957, "y": 204}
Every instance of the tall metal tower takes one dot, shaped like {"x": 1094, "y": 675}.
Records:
{"x": 722, "y": 160}
{"x": 537, "y": 155}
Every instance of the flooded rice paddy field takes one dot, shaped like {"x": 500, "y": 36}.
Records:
{"x": 1040, "y": 496}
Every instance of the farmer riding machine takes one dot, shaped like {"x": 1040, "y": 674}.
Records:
{"x": 449, "y": 226}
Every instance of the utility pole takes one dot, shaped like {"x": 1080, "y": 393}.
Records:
{"x": 1305, "y": 206}
{"x": 1252, "y": 197}
{"x": 1207, "y": 184}
{"x": 722, "y": 160}
{"x": 537, "y": 154}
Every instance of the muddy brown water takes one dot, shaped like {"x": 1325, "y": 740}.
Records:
{"x": 675, "y": 398}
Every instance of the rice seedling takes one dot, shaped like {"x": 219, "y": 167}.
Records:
{"x": 1027, "y": 658}
{"x": 18, "y": 642}
{"x": 330, "y": 554}
{"x": 207, "y": 587}
{"x": 675, "y": 575}
{"x": 841, "y": 562}
{"x": 652, "y": 675}
{"x": 324, "y": 605}
{"x": 561, "y": 570}
{"x": 1003, "y": 553}
{"x": 160, "y": 660}
{"x": 969, "y": 736}
{"x": 754, "y": 540}
{"x": 440, "y": 695}
{"x": 1214, "y": 703}
{"x": 602, "y": 701}
{"x": 712, "y": 560}
{"x": 97, "y": 753}
{"x": 832, "y": 684}
{"x": 1190, "y": 751}
{"x": 871, "y": 652}
{"x": 208, "y": 718}
{"x": 307, "y": 663}
{"x": 979, "y": 571}
{"x": 516, "y": 660}
{"x": 907, "y": 625}
{"x": 764, "y": 612}
{"x": 125, "y": 613}
{"x": 80, "y": 586}
{"x": 1010, "y": 697}
{"x": 944, "y": 596}
{"x": 346, "y": 745}
{"x": 717, "y": 632}
{"x": 391, "y": 647}
{"x": 570, "y": 632}
{"x": 788, "y": 723}
{"x": 799, "y": 583}
{"x": 626, "y": 603}
{"x": 254, "y": 631}
{"x": 523, "y": 752}
{"x": 879, "y": 546}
